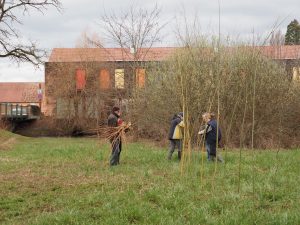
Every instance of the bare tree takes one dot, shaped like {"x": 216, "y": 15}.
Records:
{"x": 277, "y": 39}
{"x": 88, "y": 39}
{"x": 135, "y": 31}
{"x": 10, "y": 44}
{"x": 138, "y": 28}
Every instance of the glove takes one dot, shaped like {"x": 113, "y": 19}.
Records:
{"x": 201, "y": 132}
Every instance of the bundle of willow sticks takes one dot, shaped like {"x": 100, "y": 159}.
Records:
{"x": 110, "y": 133}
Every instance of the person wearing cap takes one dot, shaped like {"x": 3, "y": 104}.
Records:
{"x": 114, "y": 120}
{"x": 176, "y": 135}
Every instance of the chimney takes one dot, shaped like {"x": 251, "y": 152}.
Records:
{"x": 132, "y": 50}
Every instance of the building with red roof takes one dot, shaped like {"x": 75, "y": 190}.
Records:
{"x": 107, "y": 72}
{"x": 21, "y": 97}
{"x": 110, "y": 73}
{"x": 20, "y": 92}
{"x": 87, "y": 82}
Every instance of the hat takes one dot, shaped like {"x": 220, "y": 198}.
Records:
{"x": 115, "y": 108}
{"x": 180, "y": 114}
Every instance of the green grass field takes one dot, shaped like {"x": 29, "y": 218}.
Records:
{"x": 68, "y": 181}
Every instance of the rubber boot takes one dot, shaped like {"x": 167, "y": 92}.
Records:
{"x": 179, "y": 155}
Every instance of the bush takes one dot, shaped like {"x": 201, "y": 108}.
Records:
{"x": 238, "y": 81}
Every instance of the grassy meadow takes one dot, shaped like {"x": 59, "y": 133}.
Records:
{"x": 68, "y": 181}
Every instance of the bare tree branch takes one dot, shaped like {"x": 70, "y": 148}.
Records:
{"x": 10, "y": 45}
{"x": 138, "y": 28}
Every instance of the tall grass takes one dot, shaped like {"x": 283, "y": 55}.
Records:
{"x": 66, "y": 181}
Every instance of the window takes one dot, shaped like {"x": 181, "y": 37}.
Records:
{"x": 140, "y": 77}
{"x": 80, "y": 79}
{"x": 104, "y": 79}
{"x": 296, "y": 73}
{"x": 119, "y": 79}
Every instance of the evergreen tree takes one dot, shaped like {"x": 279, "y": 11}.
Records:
{"x": 292, "y": 36}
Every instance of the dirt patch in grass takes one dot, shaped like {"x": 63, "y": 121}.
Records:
{"x": 7, "y": 143}
{"x": 8, "y": 160}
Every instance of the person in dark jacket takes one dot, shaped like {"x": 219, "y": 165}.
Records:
{"x": 114, "y": 120}
{"x": 212, "y": 133}
{"x": 176, "y": 135}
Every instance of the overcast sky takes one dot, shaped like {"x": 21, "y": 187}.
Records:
{"x": 239, "y": 19}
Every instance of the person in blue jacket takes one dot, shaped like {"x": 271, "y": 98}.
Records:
{"x": 212, "y": 133}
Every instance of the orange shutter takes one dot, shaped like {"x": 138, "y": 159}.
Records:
{"x": 140, "y": 77}
{"x": 80, "y": 79}
{"x": 104, "y": 79}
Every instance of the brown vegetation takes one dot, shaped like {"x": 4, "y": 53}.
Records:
{"x": 6, "y": 143}
{"x": 233, "y": 72}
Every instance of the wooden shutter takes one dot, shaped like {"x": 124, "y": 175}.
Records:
{"x": 80, "y": 79}
{"x": 104, "y": 79}
{"x": 140, "y": 77}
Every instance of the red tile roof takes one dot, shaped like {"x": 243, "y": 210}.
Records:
{"x": 281, "y": 51}
{"x": 24, "y": 92}
{"x": 152, "y": 54}
{"x": 108, "y": 54}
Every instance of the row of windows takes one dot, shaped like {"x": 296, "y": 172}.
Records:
{"x": 105, "y": 78}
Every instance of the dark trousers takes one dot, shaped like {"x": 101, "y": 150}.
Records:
{"x": 212, "y": 152}
{"x": 116, "y": 146}
{"x": 211, "y": 149}
{"x": 175, "y": 143}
